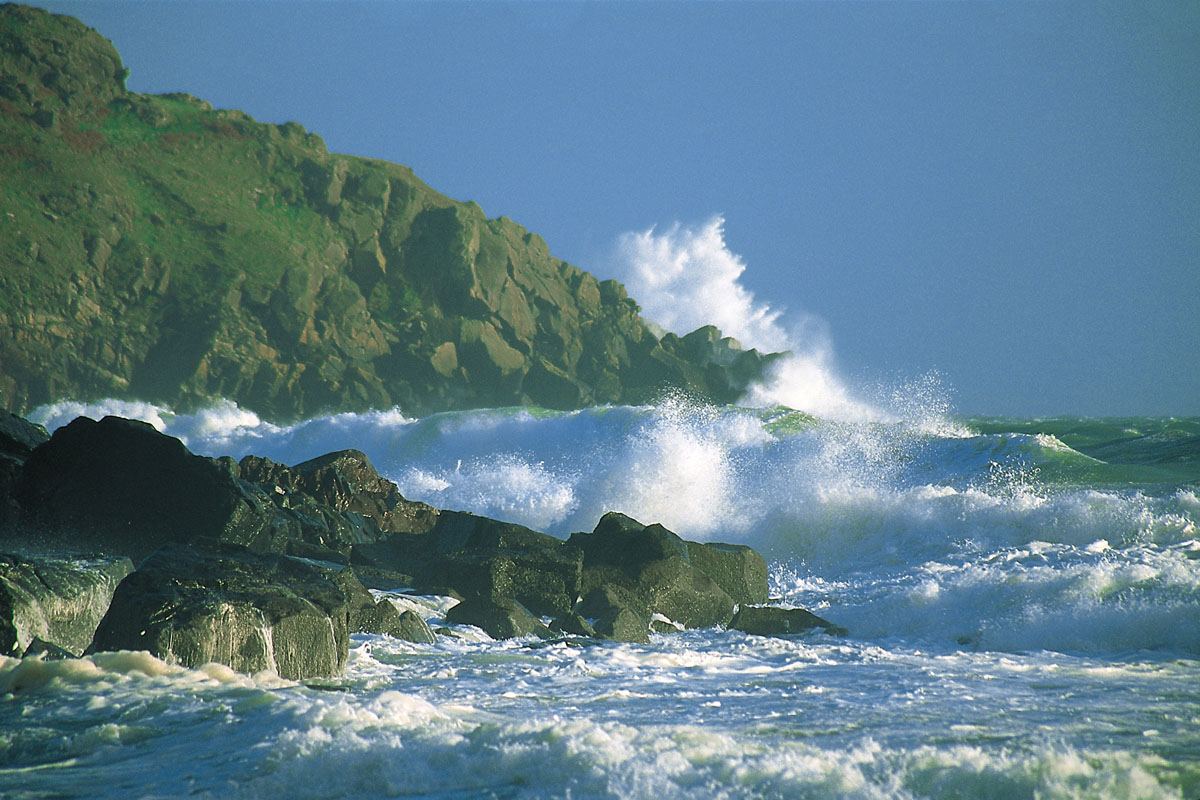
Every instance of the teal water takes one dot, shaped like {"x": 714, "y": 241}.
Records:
{"x": 1022, "y": 598}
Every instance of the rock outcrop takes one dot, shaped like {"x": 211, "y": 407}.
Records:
{"x": 191, "y": 605}
{"x": 158, "y": 249}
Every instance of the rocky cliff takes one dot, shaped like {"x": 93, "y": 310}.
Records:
{"x": 154, "y": 248}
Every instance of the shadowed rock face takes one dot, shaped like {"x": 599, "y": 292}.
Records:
{"x": 18, "y": 438}
{"x": 175, "y": 253}
{"x": 122, "y": 487}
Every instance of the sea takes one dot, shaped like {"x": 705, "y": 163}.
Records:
{"x": 1022, "y": 601}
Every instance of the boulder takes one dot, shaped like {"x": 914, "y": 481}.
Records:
{"x": 501, "y": 618}
{"x": 368, "y": 615}
{"x": 739, "y": 570}
{"x": 58, "y": 600}
{"x": 572, "y": 624}
{"x": 611, "y": 613}
{"x": 18, "y": 438}
{"x": 121, "y": 486}
{"x": 776, "y": 621}
{"x": 653, "y": 566}
{"x": 190, "y": 605}
{"x": 485, "y": 558}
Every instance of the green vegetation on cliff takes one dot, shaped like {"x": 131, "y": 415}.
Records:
{"x": 154, "y": 248}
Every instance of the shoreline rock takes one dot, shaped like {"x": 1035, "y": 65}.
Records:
{"x": 257, "y": 565}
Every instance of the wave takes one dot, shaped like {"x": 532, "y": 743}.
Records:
{"x": 1000, "y": 539}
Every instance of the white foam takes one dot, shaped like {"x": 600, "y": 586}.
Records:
{"x": 686, "y": 277}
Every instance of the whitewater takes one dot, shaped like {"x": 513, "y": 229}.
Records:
{"x": 1022, "y": 601}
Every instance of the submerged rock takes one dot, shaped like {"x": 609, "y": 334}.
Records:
{"x": 57, "y": 600}
{"x": 775, "y": 621}
{"x": 250, "y": 611}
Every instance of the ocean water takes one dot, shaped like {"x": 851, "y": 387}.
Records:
{"x": 1022, "y": 598}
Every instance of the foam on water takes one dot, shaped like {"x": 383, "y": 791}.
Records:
{"x": 716, "y": 715}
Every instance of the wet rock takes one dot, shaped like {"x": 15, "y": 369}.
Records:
{"x": 612, "y": 615}
{"x": 775, "y": 621}
{"x": 59, "y": 600}
{"x": 190, "y": 605}
{"x": 47, "y": 651}
{"x": 368, "y": 615}
{"x": 121, "y": 486}
{"x": 501, "y": 618}
{"x": 653, "y": 566}
{"x": 574, "y": 624}
{"x": 480, "y": 557}
{"x": 739, "y": 570}
{"x": 18, "y": 438}
{"x": 345, "y": 481}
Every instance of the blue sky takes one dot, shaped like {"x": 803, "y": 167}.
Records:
{"x": 1008, "y": 194}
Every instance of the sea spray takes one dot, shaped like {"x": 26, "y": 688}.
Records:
{"x": 685, "y": 277}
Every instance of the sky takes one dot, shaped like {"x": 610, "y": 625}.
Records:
{"x": 1005, "y": 195}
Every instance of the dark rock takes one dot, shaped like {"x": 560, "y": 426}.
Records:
{"x": 625, "y": 625}
{"x": 368, "y": 615}
{"x": 501, "y": 618}
{"x": 374, "y": 578}
{"x": 610, "y": 611}
{"x": 250, "y": 611}
{"x": 121, "y": 486}
{"x": 573, "y": 624}
{"x": 653, "y": 566}
{"x": 345, "y": 481}
{"x": 736, "y": 568}
{"x": 775, "y": 621}
{"x": 56, "y": 599}
{"x": 413, "y": 628}
{"x": 480, "y": 557}
{"x": 47, "y": 651}
{"x": 662, "y": 625}
{"x": 18, "y": 436}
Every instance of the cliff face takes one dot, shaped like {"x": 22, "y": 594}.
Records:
{"x": 154, "y": 248}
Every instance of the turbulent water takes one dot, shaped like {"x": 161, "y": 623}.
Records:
{"x": 1022, "y": 599}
